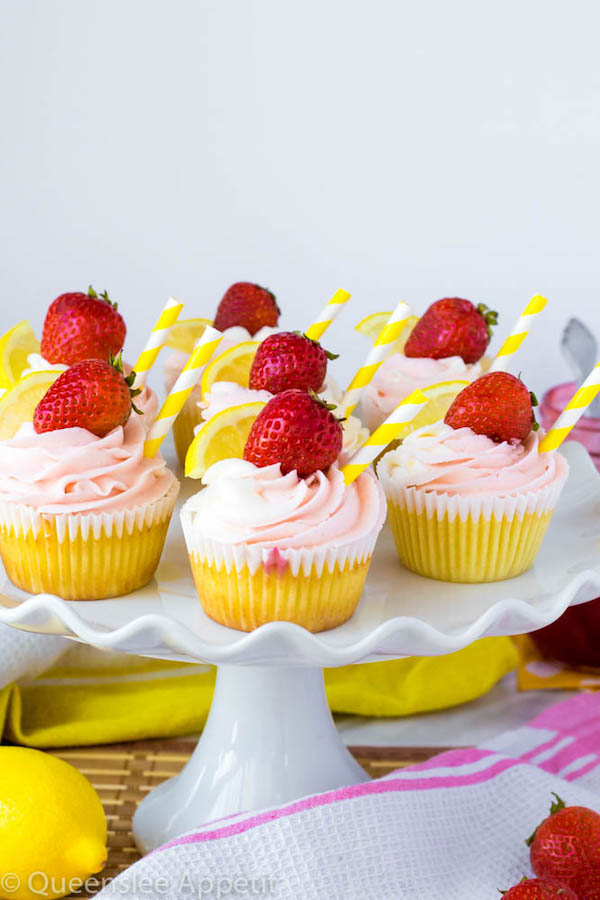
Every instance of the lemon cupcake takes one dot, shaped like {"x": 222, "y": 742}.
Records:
{"x": 283, "y": 539}
{"x": 464, "y": 506}
{"x": 83, "y": 514}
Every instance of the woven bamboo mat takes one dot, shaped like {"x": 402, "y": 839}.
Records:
{"x": 124, "y": 773}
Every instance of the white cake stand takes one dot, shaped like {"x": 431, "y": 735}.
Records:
{"x": 270, "y": 737}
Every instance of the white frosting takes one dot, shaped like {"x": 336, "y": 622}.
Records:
{"x": 37, "y": 363}
{"x": 246, "y": 504}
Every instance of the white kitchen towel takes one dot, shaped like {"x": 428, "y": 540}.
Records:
{"x": 453, "y": 828}
{"x": 25, "y": 655}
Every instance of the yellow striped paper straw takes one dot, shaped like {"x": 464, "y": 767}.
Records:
{"x": 157, "y": 340}
{"x": 405, "y": 412}
{"x": 573, "y": 411}
{"x": 181, "y": 390}
{"x": 380, "y": 349}
{"x": 518, "y": 334}
{"x": 328, "y": 314}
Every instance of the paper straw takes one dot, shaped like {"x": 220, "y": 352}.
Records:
{"x": 181, "y": 390}
{"x": 320, "y": 325}
{"x": 380, "y": 349}
{"x": 157, "y": 340}
{"x": 518, "y": 334}
{"x": 386, "y": 433}
{"x": 572, "y": 412}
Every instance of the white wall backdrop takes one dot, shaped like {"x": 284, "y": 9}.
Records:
{"x": 399, "y": 149}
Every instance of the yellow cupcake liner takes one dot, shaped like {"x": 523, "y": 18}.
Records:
{"x": 246, "y": 599}
{"x": 183, "y": 427}
{"x": 476, "y": 550}
{"x": 470, "y": 537}
{"x": 84, "y": 557}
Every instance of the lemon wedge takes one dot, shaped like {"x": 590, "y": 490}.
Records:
{"x": 372, "y": 326}
{"x": 18, "y": 403}
{"x": 440, "y": 396}
{"x": 15, "y": 347}
{"x": 185, "y": 333}
{"x": 224, "y": 436}
{"x": 233, "y": 365}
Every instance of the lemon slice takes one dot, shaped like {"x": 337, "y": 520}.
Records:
{"x": 18, "y": 404}
{"x": 185, "y": 333}
{"x": 15, "y": 347}
{"x": 372, "y": 326}
{"x": 224, "y": 436}
{"x": 440, "y": 396}
{"x": 233, "y": 365}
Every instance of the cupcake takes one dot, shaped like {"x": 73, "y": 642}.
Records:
{"x": 83, "y": 514}
{"x": 279, "y": 536}
{"x": 470, "y": 498}
{"x": 446, "y": 344}
{"x": 247, "y": 312}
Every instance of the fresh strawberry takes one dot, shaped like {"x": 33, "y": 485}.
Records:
{"x": 497, "y": 405}
{"x": 565, "y": 849}
{"x": 249, "y": 305}
{"x": 82, "y": 326}
{"x": 289, "y": 360}
{"x": 452, "y": 327}
{"x": 297, "y": 430}
{"x": 537, "y": 889}
{"x": 92, "y": 394}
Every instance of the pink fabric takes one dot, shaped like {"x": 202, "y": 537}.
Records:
{"x": 578, "y": 718}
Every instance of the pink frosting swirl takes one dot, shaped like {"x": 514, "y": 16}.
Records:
{"x": 244, "y": 504}
{"x": 460, "y": 462}
{"x": 74, "y": 471}
{"x": 400, "y": 375}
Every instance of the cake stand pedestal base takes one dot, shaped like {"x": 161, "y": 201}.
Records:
{"x": 269, "y": 738}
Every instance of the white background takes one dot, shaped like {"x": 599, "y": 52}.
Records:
{"x": 399, "y": 149}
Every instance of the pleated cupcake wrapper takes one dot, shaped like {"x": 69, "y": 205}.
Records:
{"x": 244, "y": 556}
{"x": 23, "y": 519}
{"x": 441, "y": 506}
{"x": 476, "y": 540}
{"x": 246, "y": 600}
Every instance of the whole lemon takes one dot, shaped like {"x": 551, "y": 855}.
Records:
{"x": 52, "y": 826}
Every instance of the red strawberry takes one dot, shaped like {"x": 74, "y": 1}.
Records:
{"x": 92, "y": 394}
{"x": 536, "y": 889}
{"x": 82, "y": 326}
{"x": 289, "y": 360}
{"x": 452, "y": 327}
{"x": 249, "y": 305}
{"x": 498, "y": 405}
{"x": 565, "y": 849}
{"x": 297, "y": 430}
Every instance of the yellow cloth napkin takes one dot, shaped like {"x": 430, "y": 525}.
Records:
{"x": 117, "y": 698}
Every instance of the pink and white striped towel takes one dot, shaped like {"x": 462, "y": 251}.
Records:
{"x": 452, "y": 828}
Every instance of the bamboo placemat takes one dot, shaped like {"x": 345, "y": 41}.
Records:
{"x": 124, "y": 773}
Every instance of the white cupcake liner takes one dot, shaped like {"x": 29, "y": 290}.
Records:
{"x": 245, "y": 556}
{"x": 24, "y": 519}
{"x": 441, "y": 505}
